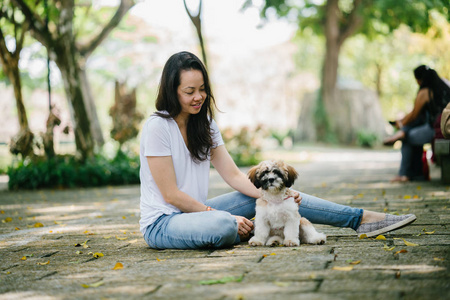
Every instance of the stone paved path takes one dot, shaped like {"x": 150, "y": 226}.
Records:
{"x": 56, "y": 261}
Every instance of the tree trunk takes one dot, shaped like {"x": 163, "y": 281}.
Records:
{"x": 22, "y": 142}
{"x": 71, "y": 74}
{"x": 329, "y": 71}
{"x": 335, "y": 34}
{"x": 197, "y": 21}
{"x": 91, "y": 109}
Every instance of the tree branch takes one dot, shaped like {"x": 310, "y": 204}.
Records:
{"x": 5, "y": 55}
{"x": 123, "y": 8}
{"x": 354, "y": 22}
{"x": 36, "y": 24}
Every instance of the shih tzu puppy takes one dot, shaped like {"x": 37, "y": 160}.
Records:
{"x": 277, "y": 219}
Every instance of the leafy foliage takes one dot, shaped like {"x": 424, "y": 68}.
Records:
{"x": 366, "y": 138}
{"x": 244, "y": 145}
{"x": 66, "y": 171}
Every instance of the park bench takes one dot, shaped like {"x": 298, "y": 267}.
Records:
{"x": 442, "y": 152}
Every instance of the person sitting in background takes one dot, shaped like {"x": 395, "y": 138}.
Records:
{"x": 421, "y": 125}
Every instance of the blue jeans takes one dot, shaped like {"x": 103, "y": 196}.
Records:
{"x": 218, "y": 229}
{"x": 412, "y": 149}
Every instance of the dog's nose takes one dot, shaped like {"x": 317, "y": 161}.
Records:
{"x": 271, "y": 180}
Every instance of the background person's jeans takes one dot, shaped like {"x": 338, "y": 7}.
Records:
{"x": 412, "y": 149}
{"x": 219, "y": 229}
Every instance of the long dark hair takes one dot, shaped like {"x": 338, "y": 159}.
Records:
{"x": 438, "y": 90}
{"x": 199, "y": 125}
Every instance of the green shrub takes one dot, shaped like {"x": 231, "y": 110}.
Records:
{"x": 66, "y": 171}
{"x": 244, "y": 145}
{"x": 366, "y": 138}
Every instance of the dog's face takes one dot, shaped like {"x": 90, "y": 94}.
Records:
{"x": 272, "y": 175}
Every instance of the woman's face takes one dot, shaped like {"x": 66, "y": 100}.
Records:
{"x": 191, "y": 91}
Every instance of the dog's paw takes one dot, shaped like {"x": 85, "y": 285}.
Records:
{"x": 291, "y": 242}
{"x": 273, "y": 241}
{"x": 254, "y": 241}
{"x": 318, "y": 239}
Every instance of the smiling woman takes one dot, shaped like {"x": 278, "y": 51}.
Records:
{"x": 191, "y": 94}
{"x": 179, "y": 143}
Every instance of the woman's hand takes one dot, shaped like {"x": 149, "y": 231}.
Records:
{"x": 297, "y": 197}
{"x": 245, "y": 226}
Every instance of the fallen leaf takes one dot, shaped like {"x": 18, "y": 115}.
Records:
{"x": 96, "y": 284}
{"x": 43, "y": 263}
{"x": 229, "y": 252}
{"x": 37, "y": 225}
{"x": 98, "y": 254}
{"x": 409, "y": 243}
{"x": 386, "y": 248}
{"x": 281, "y": 283}
{"x": 222, "y": 280}
{"x": 16, "y": 228}
{"x": 401, "y": 251}
{"x": 24, "y": 258}
{"x": 160, "y": 259}
{"x": 407, "y": 197}
{"x": 438, "y": 259}
{"x": 121, "y": 238}
{"x": 107, "y": 237}
{"x": 118, "y": 266}
{"x": 346, "y": 268}
{"x": 363, "y": 236}
{"x": 123, "y": 217}
{"x": 6, "y": 220}
{"x": 428, "y": 232}
{"x": 381, "y": 237}
{"x": 357, "y": 262}
{"x": 79, "y": 252}
{"x": 2, "y": 212}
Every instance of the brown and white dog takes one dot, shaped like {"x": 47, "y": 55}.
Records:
{"x": 277, "y": 219}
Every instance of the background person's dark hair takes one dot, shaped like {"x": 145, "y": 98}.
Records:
{"x": 438, "y": 90}
{"x": 198, "y": 127}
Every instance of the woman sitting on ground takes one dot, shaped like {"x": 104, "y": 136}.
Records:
{"x": 178, "y": 144}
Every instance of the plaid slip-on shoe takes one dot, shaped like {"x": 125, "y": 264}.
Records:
{"x": 389, "y": 223}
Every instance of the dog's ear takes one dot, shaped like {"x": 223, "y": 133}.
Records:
{"x": 252, "y": 176}
{"x": 291, "y": 176}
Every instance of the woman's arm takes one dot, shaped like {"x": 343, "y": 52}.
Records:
{"x": 421, "y": 99}
{"x": 224, "y": 164}
{"x": 163, "y": 173}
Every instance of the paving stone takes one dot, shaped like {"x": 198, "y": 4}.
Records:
{"x": 50, "y": 262}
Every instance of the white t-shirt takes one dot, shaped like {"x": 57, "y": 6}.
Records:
{"x": 162, "y": 137}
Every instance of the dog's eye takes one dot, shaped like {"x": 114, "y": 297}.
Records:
{"x": 278, "y": 173}
{"x": 264, "y": 173}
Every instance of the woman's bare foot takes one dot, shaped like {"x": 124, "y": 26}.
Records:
{"x": 392, "y": 139}
{"x": 400, "y": 179}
